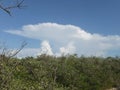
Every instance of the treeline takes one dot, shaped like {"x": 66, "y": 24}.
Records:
{"x": 59, "y": 73}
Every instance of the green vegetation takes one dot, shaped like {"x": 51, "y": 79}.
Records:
{"x": 59, "y": 73}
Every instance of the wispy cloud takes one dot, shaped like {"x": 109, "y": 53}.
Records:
{"x": 69, "y": 39}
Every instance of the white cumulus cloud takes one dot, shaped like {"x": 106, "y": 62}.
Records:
{"x": 70, "y": 48}
{"x": 68, "y": 39}
{"x": 45, "y": 48}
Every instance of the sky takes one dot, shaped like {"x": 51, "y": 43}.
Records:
{"x": 55, "y": 27}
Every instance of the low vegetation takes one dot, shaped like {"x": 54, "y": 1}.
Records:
{"x": 59, "y": 73}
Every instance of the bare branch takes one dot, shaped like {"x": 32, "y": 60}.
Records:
{"x": 17, "y": 51}
{"x": 8, "y": 8}
{"x": 18, "y": 5}
{"x": 7, "y": 53}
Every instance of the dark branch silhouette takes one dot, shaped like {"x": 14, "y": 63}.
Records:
{"x": 10, "y": 53}
{"x": 8, "y": 8}
{"x": 18, "y": 50}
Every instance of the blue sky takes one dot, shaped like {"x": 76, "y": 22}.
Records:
{"x": 99, "y": 17}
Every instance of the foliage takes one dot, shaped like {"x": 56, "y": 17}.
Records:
{"x": 59, "y": 73}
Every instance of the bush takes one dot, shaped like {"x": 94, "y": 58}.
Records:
{"x": 59, "y": 73}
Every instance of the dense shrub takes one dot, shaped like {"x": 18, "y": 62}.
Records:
{"x": 59, "y": 73}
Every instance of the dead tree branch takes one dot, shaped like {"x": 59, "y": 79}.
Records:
{"x": 6, "y": 53}
{"x": 7, "y": 9}
{"x": 18, "y": 50}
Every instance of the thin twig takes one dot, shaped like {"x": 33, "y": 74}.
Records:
{"x": 7, "y": 9}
